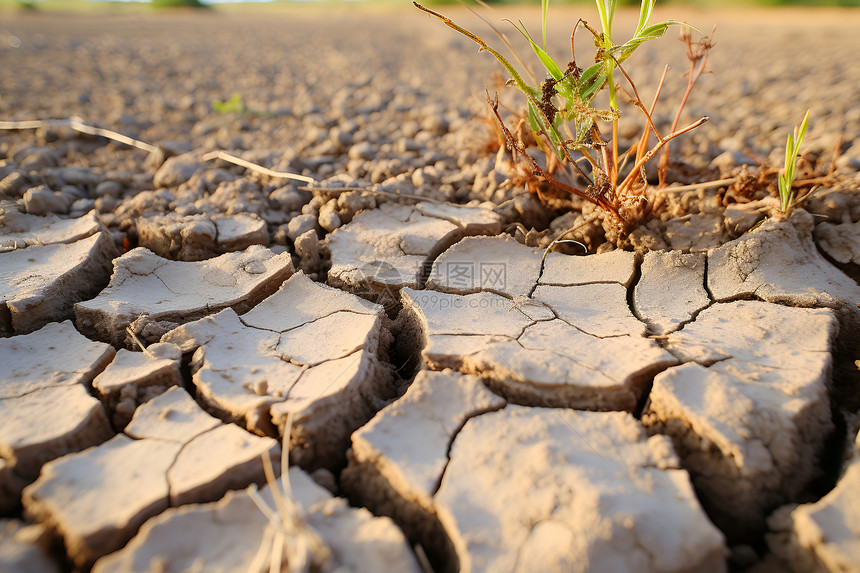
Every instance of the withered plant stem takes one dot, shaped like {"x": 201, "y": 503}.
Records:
{"x": 697, "y": 67}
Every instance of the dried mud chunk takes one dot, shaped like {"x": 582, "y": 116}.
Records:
{"x": 600, "y": 310}
{"x": 840, "y": 242}
{"x": 178, "y": 292}
{"x": 750, "y": 420}
{"x": 825, "y": 535}
{"x": 44, "y": 425}
{"x": 388, "y": 248}
{"x": 21, "y": 550}
{"x": 226, "y": 457}
{"x": 220, "y": 537}
{"x": 176, "y": 170}
{"x": 495, "y": 264}
{"x": 97, "y": 499}
{"x": 309, "y": 351}
{"x": 45, "y": 409}
{"x": 696, "y": 233}
{"x": 527, "y": 355}
{"x": 55, "y": 355}
{"x": 172, "y": 236}
{"x": 562, "y": 490}
{"x": 134, "y": 378}
{"x": 613, "y": 267}
{"x": 173, "y": 416}
{"x": 226, "y": 536}
{"x": 199, "y": 237}
{"x": 398, "y": 458}
{"x": 778, "y": 262}
{"x": 19, "y": 230}
{"x": 240, "y": 231}
{"x": 39, "y": 285}
{"x": 671, "y": 289}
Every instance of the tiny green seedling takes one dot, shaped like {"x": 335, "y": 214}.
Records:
{"x": 233, "y": 105}
{"x": 786, "y": 178}
{"x": 566, "y": 124}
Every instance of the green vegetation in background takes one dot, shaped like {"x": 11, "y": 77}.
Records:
{"x": 178, "y": 4}
{"x": 117, "y": 6}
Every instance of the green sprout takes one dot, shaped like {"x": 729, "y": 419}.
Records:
{"x": 563, "y": 119}
{"x": 234, "y": 105}
{"x": 786, "y": 178}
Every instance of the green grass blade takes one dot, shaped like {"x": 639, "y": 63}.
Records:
{"x": 544, "y": 5}
{"x": 802, "y": 131}
{"x": 606, "y": 9}
{"x": 792, "y": 150}
{"x": 783, "y": 194}
{"x": 521, "y": 84}
{"x": 551, "y": 66}
{"x": 645, "y": 9}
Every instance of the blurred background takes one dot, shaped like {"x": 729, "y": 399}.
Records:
{"x": 86, "y": 5}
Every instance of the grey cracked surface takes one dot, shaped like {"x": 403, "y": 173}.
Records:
{"x": 778, "y": 262}
{"x": 157, "y": 294}
{"x": 671, "y": 290}
{"x": 566, "y": 494}
{"x": 279, "y": 361}
{"x": 226, "y": 536}
{"x": 389, "y": 247}
{"x": 322, "y": 109}
{"x": 40, "y": 284}
{"x": 570, "y": 341}
{"x": 749, "y": 410}
{"x": 170, "y": 454}
{"x": 45, "y": 409}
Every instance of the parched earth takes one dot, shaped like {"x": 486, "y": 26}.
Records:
{"x": 448, "y": 396}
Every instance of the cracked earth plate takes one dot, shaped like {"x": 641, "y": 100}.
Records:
{"x": 171, "y": 453}
{"x": 384, "y": 249}
{"x": 40, "y": 284}
{"x": 750, "y": 411}
{"x": 227, "y": 536}
{"x": 309, "y": 353}
{"x": 157, "y": 294}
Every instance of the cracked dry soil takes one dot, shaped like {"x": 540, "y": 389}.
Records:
{"x": 452, "y": 399}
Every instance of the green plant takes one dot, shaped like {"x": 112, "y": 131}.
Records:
{"x": 233, "y": 105}
{"x": 178, "y": 4}
{"x": 786, "y": 178}
{"x": 564, "y": 120}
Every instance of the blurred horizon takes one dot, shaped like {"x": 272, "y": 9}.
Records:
{"x": 52, "y": 4}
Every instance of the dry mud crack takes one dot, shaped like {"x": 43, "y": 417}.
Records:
{"x": 531, "y": 369}
{"x": 448, "y": 396}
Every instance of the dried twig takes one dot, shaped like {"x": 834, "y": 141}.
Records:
{"x": 137, "y": 341}
{"x": 77, "y": 124}
{"x": 371, "y": 191}
{"x": 224, "y": 156}
{"x": 697, "y": 53}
